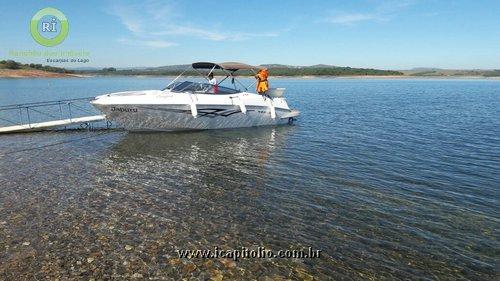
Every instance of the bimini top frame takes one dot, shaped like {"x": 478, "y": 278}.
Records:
{"x": 229, "y": 68}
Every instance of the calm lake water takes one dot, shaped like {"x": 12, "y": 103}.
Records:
{"x": 389, "y": 178}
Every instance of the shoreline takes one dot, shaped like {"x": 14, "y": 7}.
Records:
{"x": 34, "y": 73}
{"x": 24, "y": 73}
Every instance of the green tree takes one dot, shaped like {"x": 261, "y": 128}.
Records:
{"x": 10, "y": 64}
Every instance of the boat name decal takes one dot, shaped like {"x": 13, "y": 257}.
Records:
{"x": 123, "y": 109}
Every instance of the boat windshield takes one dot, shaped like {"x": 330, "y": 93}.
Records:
{"x": 201, "y": 88}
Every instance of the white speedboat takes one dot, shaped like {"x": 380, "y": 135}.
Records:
{"x": 190, "y": 105}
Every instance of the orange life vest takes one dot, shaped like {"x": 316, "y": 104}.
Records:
{"x": 262, "y": 83}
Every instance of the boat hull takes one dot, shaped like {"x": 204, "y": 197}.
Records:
{"x": 166, "y": 117}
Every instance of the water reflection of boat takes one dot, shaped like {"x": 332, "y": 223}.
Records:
{"x": 180, "y": 161}
{"x": 191, "y": 105}
{"x": 215, "y": 144}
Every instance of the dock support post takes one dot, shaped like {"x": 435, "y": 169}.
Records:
{"x": 69, "y": 110}
{"x": 29, "y": 119}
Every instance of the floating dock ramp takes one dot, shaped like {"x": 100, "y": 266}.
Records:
{"x": 40, "y": 116}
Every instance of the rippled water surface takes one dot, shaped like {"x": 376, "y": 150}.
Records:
{"x": 389, "y": 178}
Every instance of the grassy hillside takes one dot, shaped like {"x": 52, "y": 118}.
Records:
{"x": 13, "y": 65}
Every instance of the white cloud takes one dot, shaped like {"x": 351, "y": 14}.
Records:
{"x": 352, "y": 18}
{"x": 208, "y": 34}
{"x": 127, "y": 18}
{"x": 189, "y": 31}
{"x": 157, "y": 44}
{"x": 159, "y": 10}
{"x": 156, "y": 19}
{"x": 383, "y": 11}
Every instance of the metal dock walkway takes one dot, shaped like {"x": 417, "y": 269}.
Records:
{"x": 51, "y": 124}
{"x": 40, "y": 116}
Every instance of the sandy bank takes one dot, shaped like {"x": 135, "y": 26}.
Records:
{"x": 33, "y": 73}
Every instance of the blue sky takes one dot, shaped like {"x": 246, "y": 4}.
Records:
{"x": 387, "y": 34}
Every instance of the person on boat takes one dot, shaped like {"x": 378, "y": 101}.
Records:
{"x": 262, "y": 83}
{"x": 213, "y": 81}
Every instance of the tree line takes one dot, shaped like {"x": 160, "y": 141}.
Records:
{"x": 274, "y": 71}
{"x": 10, "y": 64}
{"x": 326, "y": 71}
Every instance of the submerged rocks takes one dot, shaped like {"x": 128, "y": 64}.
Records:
{"x": 137, "y": 275}
{"x": 216, "y": 275}
{"x": 228, "y": 263}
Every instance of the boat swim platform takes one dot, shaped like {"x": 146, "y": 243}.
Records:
{"x": 34, "y": 127}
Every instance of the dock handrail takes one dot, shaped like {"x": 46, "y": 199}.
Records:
{"x": 43, "y": 103}
{"x": 49, "y": 109}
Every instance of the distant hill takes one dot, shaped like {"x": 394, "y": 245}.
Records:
{"x": 275, "y": 70}
{"x": 85, "y": 68}
{"x": 275, "y": 65}
{"x": 321, "y": 66}
{"x": 431, "y": 72}
{"x": 329, "y": 70}
{"x": 178, "y": 67}
{"x": 313, "y": 70}
{"x": 421, "y": 69}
